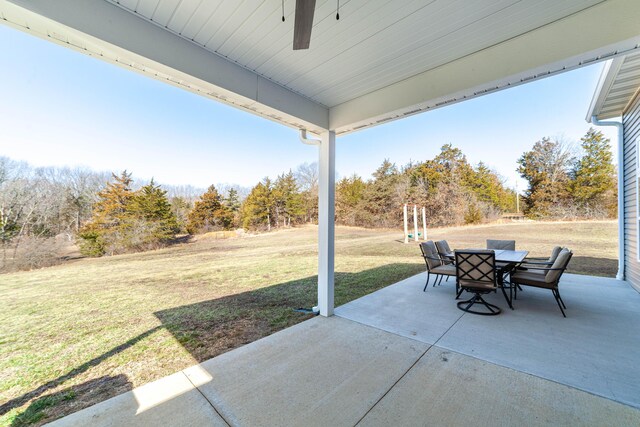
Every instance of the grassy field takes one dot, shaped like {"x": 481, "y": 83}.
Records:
{"x": 79, "y": 333}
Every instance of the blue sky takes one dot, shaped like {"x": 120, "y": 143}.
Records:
{"x": 62, "y": 108}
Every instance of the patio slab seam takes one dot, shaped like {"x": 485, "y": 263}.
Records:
{"x": 410, "y": 367}
{"x": 442, "y": 376}
{"x": 206, "y": 398}
{"x": 592, "y": 295}
{"x": 435, "y": 344}
{"x": 292, "y": 365}
{"x": 393, "y": 385}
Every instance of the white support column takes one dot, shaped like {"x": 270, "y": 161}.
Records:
{"x": 326, "y": 222}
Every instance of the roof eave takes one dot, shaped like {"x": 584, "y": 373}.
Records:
{"x": 607, "y": 78}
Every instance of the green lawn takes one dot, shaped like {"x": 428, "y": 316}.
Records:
{"x": 79, "y": 333}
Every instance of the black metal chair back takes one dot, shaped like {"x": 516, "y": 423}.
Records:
{"x": 476, "y": 268}
{"x": 476, "y": 273}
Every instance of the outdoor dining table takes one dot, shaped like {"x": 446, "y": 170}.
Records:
{"x": 502, "y": 255}
{"x": 508, "y": 260}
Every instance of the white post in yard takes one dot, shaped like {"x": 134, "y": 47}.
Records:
{"x": 424, "y": 223}
{"x": 415, "y": 222}
{"x": 406, "y": 225}
{"x": 326, "y": 222}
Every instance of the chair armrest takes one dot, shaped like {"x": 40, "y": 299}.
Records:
{"x": 548, "y": 268}
{"x": 525, "y": 262}
{"x": 429, "y": 257}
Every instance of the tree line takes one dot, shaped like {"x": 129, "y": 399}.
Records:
{"x": 567, "y": 182}
{"x": 45, "y": 210}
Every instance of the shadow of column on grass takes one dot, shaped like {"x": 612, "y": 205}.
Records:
{"x": 21, "y": 400}
{"x": 210, "y": 328}
{"x": 48, "y": 406}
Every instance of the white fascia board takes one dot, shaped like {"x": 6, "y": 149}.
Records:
{"x": 596, "y": 33}
{"x": 607, "y": 78}
{"x": 131, "y": 39}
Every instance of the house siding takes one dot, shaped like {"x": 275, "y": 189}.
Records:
{"x": 631, "y": 123}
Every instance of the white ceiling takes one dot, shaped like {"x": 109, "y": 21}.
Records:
{"x": 374, "y": 44}
{"x": 382, "y": 60}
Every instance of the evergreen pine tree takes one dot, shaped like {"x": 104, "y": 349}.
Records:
{"x": 125, "y": 220}
{"x": 232, "y": 201}
{"x": 257, "y": 209}
{"x": 287, "y": 199}
{"x": 594, "y": 184}
{"x": 152, "y": 210}
{"x": 233, "y": 204}
{"x": 349, "y": 195}
{"x": 209, "y": 213}
{"x": 381, "y": 198}
{"x": 111, "y": 217}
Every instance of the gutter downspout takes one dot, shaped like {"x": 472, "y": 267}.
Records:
{"x": 621, "y": 255}
{"x": 308, "y": 141}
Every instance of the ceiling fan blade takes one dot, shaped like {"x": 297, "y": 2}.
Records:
{"x": 303, "y": 23}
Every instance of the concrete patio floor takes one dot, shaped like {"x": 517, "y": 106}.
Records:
{"x": 403, "y": 357}
{"x": 595, "y": 349}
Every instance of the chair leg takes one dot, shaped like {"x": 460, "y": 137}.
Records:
{"x": 506, "y": 297}
{"x": 477, "y": 299}
{"x": 436, "y": 280}
{"x": 511, "y": 292}
{"x": 489, "y": 306}
{"x": 556, "y": 296}
{"x": 560, "y": 298}
{"x": 426, "y": 284}
{"x": 501, "y": 284}
{"x": 447, "y": 279}
{"x": 440, "y": 282}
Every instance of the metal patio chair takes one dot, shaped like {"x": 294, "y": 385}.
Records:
{"x": 545, "y": 277}
{"x": 445, "y": 252}
{"x": 435, "y": 264}
{"x": 544, "y": 262}
{"x": 476, "y": 273}
{"x": 507, "y": 245}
